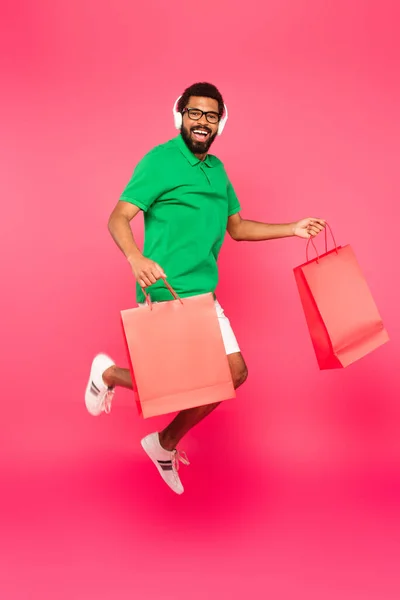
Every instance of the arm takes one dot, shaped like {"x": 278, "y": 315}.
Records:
{"x": 120, "y": 229}
{"x": 146, "y": 271}
{"x": 252, "y": 231}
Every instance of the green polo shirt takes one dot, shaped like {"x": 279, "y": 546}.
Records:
{"x": 186, "y": 204}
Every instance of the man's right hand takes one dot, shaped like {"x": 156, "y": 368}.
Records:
{"x": 146, "y": 271}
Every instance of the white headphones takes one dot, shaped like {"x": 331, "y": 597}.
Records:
{"x": 178, "y": 117}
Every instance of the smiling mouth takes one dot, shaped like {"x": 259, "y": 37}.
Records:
{"x": 201, "y": 135}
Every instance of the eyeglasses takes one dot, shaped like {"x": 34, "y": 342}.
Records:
{"x": 195, "y": 114}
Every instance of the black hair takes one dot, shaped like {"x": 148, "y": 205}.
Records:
{"x": 205, "y": 90}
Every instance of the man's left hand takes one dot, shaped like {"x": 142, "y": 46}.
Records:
{"x": 307, "y": 228}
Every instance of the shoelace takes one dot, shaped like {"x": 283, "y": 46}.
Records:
{"x": 179, "y": 456}
{"x": 108, "y": 397}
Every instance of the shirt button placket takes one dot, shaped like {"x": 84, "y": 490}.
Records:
{"x": 205, "y": 175}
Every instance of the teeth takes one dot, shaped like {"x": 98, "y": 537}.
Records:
{"x": 201, "y": 132}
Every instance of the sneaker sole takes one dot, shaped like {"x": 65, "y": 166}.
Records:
{"x": 89, "y": 408}
{"x": 88, "y": 395}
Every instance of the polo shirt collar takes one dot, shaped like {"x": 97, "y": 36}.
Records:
{"x": 193, "y": 160}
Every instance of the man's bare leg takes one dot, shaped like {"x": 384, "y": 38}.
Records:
{"x": 186, "y": 419}
{"x": 117, "y": 377}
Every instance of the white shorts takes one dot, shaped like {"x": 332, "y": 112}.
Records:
{"x": 230, "y": 342}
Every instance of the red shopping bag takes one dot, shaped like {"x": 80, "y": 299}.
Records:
{"x": 177, "y": 355}
{"x": 341, "y": 315}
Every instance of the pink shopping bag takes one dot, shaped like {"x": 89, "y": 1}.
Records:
{"x": 177, "y": 355}
{"x": 341, "y": 314}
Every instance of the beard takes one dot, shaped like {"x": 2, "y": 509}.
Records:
{"x": 196, "y": 146}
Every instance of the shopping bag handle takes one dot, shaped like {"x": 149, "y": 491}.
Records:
{"x": 174, "y": 294}
{"x": 311, "y": 241}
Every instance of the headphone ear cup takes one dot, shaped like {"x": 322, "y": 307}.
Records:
{"x": 221, "y": 126}
{"x": 177, "y": 114}
{"x": 177, "y": 120}
{"x": 223, "y": 121}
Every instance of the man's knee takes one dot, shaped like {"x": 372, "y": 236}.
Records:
{"x": 240, "y": 376}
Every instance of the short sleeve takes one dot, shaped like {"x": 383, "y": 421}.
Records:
{"x": 147, "y": 182}
{"x": 233, "y": 202}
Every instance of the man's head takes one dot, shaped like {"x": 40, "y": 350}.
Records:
{"x": 199, "y": 130}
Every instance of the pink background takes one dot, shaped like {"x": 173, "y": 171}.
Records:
{"x": 294, "y": 487}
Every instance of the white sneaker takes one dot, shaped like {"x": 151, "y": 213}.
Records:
{"x": 98, "y": 395}
{"x": 166, "y": 462}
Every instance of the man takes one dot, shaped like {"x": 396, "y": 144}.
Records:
{"x": 188, "y": 203}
